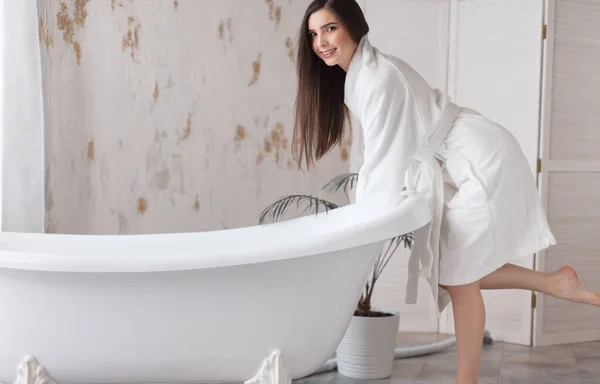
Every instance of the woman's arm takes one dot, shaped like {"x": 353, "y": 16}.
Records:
{"x": 393, "y": 133}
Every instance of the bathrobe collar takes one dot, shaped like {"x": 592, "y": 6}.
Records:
{"x": 364, "y": 55}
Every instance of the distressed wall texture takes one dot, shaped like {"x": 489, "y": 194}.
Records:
{"x": 170, "y": 115}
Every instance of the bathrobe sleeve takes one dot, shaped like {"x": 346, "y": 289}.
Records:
{"x": 392, "y": 135}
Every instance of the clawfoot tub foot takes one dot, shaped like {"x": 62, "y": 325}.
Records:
{"x": 32, "y": 372}
{"x": 274, "y": 370}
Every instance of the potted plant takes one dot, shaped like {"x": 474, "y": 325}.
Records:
{"x": 367, "y": 349}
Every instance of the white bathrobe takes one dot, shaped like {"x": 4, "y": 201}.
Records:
{"x": 406, "y": 124}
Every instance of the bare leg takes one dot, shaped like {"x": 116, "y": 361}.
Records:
{"x": 469, "y": 323}
{"x": 562, "y": 283}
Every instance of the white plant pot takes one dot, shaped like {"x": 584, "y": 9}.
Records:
{"x": 367, "y": 350}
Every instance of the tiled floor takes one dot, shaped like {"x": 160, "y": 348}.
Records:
{"x": 501, "y": 364}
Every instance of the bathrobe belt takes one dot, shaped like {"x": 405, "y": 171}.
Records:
{"x": 437, "y": 137}
{"x": 425, "y": 178}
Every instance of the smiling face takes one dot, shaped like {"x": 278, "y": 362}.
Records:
{"x": 330, "y": 39}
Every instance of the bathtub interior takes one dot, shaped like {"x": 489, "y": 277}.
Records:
{"x": 344, "y": 227}
{"x": 307, "y": 226}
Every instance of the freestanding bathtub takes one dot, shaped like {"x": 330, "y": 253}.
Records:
{"x": 266, "y": 303}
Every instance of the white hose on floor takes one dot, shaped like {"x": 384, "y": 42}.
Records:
{"x": 418, "y": 350}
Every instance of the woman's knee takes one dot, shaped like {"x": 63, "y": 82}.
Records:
{"x": 454, "y": 290}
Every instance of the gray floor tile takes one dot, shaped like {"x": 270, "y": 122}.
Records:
{"x": 587, "y": 350}
{"x": 588, "y": 369}
{"x": 544, "y": 365}
{"x": 501, "y": 363}
{"x": 587, "y": 361}
{"x": 405, "y": 371}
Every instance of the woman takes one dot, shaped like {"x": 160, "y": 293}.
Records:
{"x": 487, "y": 210}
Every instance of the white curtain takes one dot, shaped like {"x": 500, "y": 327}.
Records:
{"x": 22, "y": 118}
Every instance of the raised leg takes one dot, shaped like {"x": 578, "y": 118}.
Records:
{"x": 562, "y": 283}
{"x": 274, "y": 370}
{"x": 469, "y": 323}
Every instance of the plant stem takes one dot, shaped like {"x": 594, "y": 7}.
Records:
{"x": 389, "y": 257}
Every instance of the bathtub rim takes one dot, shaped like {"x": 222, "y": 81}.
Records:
{"x": 410, "y": 215}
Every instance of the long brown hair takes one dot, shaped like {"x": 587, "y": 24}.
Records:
{"x": 320, "y": 111}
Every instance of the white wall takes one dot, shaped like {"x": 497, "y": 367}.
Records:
{"x": 167, "y": 116}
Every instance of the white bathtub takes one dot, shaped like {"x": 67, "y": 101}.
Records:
{"x": 222, "y": 306}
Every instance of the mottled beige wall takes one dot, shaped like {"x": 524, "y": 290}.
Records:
{"x": 169, "y": 115}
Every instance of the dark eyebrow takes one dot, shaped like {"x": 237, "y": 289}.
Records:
{"x": 324, "y": 26}
{"x": 328, "y": 24}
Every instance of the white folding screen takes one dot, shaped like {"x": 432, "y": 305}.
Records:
{"x": 570, "y": 177}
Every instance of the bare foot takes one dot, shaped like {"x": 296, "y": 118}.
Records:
{"x": 568, "y": 287}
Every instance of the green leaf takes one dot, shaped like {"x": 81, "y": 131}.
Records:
{"x": 275, "y": 211}
{"x": 345, "y": 181}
